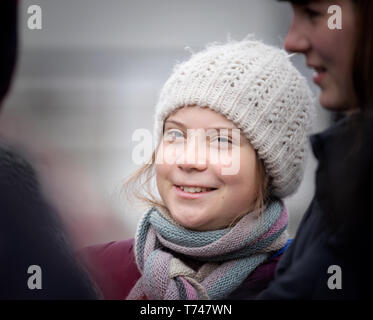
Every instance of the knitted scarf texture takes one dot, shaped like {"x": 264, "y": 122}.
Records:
{"x": 222, "y": 259}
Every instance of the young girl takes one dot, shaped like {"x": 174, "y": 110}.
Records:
{"x": 215, "y": 233}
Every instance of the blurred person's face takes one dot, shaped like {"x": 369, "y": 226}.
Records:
{"x": 228, "y": 196}
{"x": 329, "y": 52}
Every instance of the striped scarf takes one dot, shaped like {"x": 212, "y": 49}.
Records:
{"x": 224, "y": 258}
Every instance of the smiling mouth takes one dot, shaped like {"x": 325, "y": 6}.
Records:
{"x": 319, "y": 75}
{"x": 195, "y": 189}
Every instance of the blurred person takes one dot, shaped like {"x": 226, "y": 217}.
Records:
{"x": 213, "y": 235}
{"x": 328, "y": 257}
{"x": 31, "y": 233}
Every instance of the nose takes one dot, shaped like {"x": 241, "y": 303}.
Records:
{"x": 194, "y": 157}
{"x": 296, "y": 39}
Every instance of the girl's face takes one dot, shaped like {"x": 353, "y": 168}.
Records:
{"x": 231, "y": 195}
{"x": 328, "y": 51}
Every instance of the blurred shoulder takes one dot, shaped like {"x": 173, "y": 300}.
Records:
{"x": 113, "y": 267}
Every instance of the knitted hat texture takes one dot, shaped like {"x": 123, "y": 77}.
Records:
{"x": 256, "y": 87}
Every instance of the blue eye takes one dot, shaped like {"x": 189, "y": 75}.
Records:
{"x": 224, "y": 139}
{"x": 221, "y": 141}
{"x": 172, "y": 134}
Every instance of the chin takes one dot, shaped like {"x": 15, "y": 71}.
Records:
{"x": 185, "y": 220}
{"x": 190, "y": 225}
{"x": 333, "y": 103}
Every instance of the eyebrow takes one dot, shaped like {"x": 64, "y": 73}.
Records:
{"x": 182, "y": 125}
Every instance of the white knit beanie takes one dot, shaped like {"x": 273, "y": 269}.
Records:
{"x": 256, "y": 87}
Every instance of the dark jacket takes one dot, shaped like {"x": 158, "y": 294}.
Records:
{"x": 114, "y": 269}
{"x": 334, "y": 230}
{"x": 31, "y": 233}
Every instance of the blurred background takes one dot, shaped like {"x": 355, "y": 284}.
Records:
{"x": 92, "y": 75}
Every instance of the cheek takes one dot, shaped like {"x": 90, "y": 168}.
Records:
{"x": 326, "y": 50}
{"x": 240, "y": 192}
{"x": 245, "y": 181}
{"x": 326, "y": 43}
{"x": 335, "y": 48}
{"x": 249, "y": 174}
{"x": 161, "y": 173}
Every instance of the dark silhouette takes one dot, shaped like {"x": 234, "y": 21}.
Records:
{"x": 31, "y": 232}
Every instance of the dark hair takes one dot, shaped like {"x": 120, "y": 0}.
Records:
{"x": 8, "y": 43}
{"x": 363, "y": 56}
{"x": 32, "y": 233}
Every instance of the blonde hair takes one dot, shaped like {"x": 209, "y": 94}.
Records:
{"x": 138, "y": 186}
